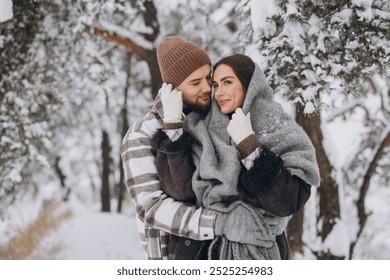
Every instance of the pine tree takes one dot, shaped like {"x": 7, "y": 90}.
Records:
{"x": 24, "y": 112}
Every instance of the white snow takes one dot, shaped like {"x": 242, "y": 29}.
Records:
{"x": 15, "y": 175}
{"x": 342, "y": 17}
{"x": 362, "y": 3}
{"x": 96, "y": 236}
{"x": 6, "y": 12}
{"x": 260, "y": 11}
{"x": 309, "y": 108}
{"x": 337, "y": 242}
{"x": 345, "y": 136}
{"x": 88, "y": 234}
{"x": 129, "y": 34}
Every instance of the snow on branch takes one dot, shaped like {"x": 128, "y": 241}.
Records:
{"x": 339, "y": 43}
{"x": 133, "y": 36}
{"x": 123, "y": 37}
{"x": 127, "y": 43}
{"x": 360, "y": 102}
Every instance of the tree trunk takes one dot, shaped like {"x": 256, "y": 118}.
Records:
{"x": 122, "y": 186}
{"x": 156, "y": 81}
{"x": 150, "y": 19}
{"x": 61, "y": 176}
{"x": 295, "y": 226}
{"x": 105, "y": 192}
{"x": 328, "y": 190}
{"x": 125, "y": 127}
{"x": 294, "y": 234}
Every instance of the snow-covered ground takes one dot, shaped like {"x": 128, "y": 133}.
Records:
{"x": 96, "y": 236}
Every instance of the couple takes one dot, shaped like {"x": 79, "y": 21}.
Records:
{"x": 215, "y": 179}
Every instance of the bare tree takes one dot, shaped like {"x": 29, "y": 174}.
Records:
{"x": 125, "y": 127}
{"x": 106, "y": 160}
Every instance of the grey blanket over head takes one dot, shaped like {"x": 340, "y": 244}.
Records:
{"x": 218, "y": 165}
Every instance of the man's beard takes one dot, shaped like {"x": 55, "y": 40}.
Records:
{"x": 202, "y": 109}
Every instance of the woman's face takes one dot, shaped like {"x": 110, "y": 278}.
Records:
{"x": 228, "y": 90}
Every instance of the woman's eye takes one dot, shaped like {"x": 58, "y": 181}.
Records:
{"x": 227, "y": 82}
{"x": 214, "y": 85}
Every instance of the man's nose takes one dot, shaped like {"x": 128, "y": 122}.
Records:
{"x": 206, "y": 87}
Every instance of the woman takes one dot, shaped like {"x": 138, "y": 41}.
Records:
{"x": 247, "y": 149}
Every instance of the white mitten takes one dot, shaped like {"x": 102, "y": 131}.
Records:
{"x": 172, "y": 102}
{"x": 240, "y": 126}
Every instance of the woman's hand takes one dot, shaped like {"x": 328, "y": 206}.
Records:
{"x": 240, "y": 126}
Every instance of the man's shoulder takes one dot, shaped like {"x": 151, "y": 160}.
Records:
{"x": 146, "y": 124}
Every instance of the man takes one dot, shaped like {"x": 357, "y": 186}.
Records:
{"x": 160, "y": 218}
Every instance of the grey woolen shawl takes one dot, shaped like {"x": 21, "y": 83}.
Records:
{"x": 218, "y": 163}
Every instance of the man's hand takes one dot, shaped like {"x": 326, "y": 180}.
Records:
{"x": 240, "y": 126}
{"x": 172, "y": 102}
{"x": 245, "y": 225}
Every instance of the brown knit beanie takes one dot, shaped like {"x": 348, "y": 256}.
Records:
{"x": 178, "y": 58}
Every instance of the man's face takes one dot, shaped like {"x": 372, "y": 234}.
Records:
{"x": 196, "y": 89}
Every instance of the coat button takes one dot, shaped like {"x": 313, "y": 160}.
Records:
{"x": 187, "y": 242}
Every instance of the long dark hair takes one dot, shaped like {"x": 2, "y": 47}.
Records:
{"x": 242, "y": 65}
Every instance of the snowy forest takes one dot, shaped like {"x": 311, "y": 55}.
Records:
{"x": 75, "y": 74}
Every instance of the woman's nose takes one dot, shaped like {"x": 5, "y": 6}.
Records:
{"x": 218, "y": 91}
